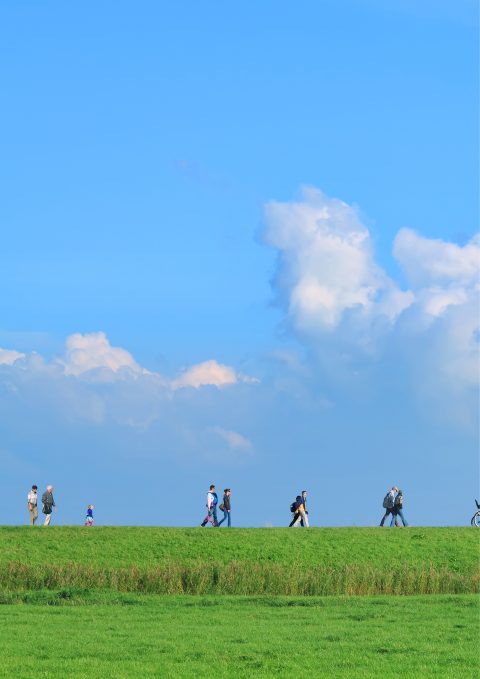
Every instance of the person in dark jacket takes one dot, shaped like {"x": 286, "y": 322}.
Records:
{"x": 297, "y": 510}
{"x": 304, "y": 498}
{"x": 226, "y": 508}
{"x": 398, "y": 510}
{"x": 48, "y": 505}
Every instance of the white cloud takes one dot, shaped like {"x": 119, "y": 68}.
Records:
{"x": 338, "y": 298}
{"x": 209, "y": 373}
{"x": 93, "y": 351}
{"x": 326, "y": 264}
{"x": 427, "y": 261}
{"x": 91, "y": 357}
{"x": 234, "y": 440}
{"x": 10, "y": 356}
{"x": 97, "y": 382}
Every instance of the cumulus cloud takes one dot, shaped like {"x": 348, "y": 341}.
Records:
{"x": 10, "y": 356}
{"x": 93, "y": 351}
{"x": 96, "y": 381}
{"x": 430, "y": 261}
{"x": 326, "y": 264}
{"x": 209, "y": 373}
{"x": 332, "y": 288}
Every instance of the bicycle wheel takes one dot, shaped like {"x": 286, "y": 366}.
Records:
{"x": 476, "y": 520}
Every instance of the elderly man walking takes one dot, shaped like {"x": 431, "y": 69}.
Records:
{"x": 32, "y": 505}
{"x": 48, "y": 504}
{"x": 388, "y": 504}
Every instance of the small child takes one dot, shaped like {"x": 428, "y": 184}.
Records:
{"x": 89, "y": 517}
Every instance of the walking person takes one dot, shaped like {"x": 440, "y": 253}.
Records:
{"x": 388, "y": 504}
{"x": 398, "y": 510}
{"x": 304, "y": 498}
{"x": 226, "y": 508}
{"x": 212, "y": 501}
{"x": 299, "y": 513}
{"x": 32, "y": 499}
{"x": 89, "y": 516}
{"x": 294, "y": 509}
{"x": 48, "y": 505}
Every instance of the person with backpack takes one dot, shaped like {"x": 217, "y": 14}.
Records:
{"x": 48, "y": 505}
{"x": 298, "y": 510}
{"x": 212, "y": 501}
{"x": 225, "y": 507}
{"x": 294, "y": 510}
{"x": 304, "y": 498}
{"x": 388, "y": 504}
{"x": 398, "y": 510}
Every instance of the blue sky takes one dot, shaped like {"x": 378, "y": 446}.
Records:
{"x": 238, "y": 246}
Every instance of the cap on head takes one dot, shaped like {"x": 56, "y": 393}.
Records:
{"x": 34, "y": 487}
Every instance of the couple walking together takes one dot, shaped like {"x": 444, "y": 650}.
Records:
{"x": 47, "y": 501}
{"x": 393, "y": 504}
{"x": 225, "y": 507}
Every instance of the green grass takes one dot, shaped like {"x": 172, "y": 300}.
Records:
{"x": 70, "y": 603}
{"x": 112, "y": 636}
{"x": 242, "y": 561}
{"x": 455, "y": 548}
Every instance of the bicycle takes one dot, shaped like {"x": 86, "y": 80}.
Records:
{"x": 476, "y": 517}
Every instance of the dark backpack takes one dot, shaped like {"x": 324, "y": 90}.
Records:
{"x": 386, "y": 501}
{"x": 293, "y": 507}
{"x": 399, "y": 501}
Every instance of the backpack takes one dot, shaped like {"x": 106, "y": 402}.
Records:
{"x": 387, "y": 501}
{"x": 399, "y": 501}
{"x": 293, "y": 507}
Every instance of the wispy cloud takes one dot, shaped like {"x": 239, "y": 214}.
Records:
{"x": 233, "y": 439}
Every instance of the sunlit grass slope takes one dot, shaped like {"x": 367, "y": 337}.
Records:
{"x": 242, "y": 561}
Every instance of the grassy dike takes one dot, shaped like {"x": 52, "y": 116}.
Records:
{"x": 319, "y": 561}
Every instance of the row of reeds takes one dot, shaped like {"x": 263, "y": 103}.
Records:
{"x": 243, "y": 578}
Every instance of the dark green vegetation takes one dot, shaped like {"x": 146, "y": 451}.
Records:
{"x": 319, "y": 561}
{"x": 131, "y": 636}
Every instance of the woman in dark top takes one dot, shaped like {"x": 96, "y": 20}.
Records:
{"x": 225, "y": 506}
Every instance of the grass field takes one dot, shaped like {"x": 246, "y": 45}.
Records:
{"x": 70, "y": 605}
{"x": 243, "y": 561}
{"x": 132, "y": 636}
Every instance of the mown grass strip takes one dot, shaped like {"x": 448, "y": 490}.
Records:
{"x": 243, "y": 578}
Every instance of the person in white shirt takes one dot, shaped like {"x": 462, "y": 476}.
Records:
{"x": 32, "y": 505}
{"x": 212, "y": 501}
